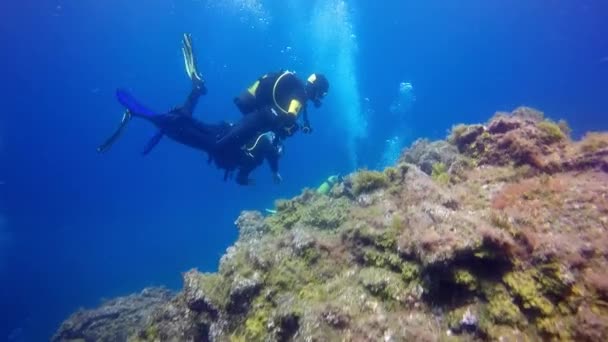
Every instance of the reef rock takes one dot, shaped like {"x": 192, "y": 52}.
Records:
{"x": 498, "y": 233}
{"x": 251, "y": 224}
{"x": 115, "y": 320}
{"x": 425, "y": 154}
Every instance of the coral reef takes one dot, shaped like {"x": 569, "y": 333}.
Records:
{"x": 497, "y": 233}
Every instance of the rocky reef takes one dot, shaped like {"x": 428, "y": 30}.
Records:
{"x": 114, "y": 320}
{"x": 500, "y": 232}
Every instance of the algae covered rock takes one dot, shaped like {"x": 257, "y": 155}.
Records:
{"x": 114, "y": 320}
{"x": 197, "y": 292}
{"x": 425, "y": 154}
{"x": 498, "y": 233}
{"x": 251, "y": 224}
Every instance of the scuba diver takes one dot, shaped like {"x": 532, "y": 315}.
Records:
{"x": 274, "y": 103}
{"x": 180, "y": 125}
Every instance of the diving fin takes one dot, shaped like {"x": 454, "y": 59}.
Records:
{"x": 136, "y": 108}
{"x": 152, "y": 142}
{"x": 189, "y": 59}
{"x": 112, "y": 139}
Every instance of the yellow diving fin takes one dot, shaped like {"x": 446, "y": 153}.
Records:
{"x": 189, "y": 59}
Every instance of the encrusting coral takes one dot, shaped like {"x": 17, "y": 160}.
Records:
{"x": 497, "y": 233}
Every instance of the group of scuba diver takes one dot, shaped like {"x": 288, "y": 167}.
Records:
{"x": 271, "y": 111}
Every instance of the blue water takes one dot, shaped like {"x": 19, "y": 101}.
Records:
{"x": 76, "y": 226}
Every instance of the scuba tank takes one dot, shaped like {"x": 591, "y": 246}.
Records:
{"x": 329, "y": 183}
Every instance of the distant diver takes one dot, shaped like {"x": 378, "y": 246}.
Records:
{"x": 180, "y": 125}
{"x": 328, "y": 184}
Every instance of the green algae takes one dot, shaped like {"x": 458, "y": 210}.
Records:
{"x": 553, "y": 279}
{"x": 395, "y": 174}
{"x": 215, "y": 287}
{"x": 551, "y": 131}
{"x": 366, "y": 181}
{"x": 324, "y": 213}
{"x": 524, "y": 285}
{"x": 382, "y": 259}
{"x": 385, "y": 285}
{"x": 151, "y": 333}
{"x": 287, "y": 215}
{"x": 367, "y": 236}
{"x": 321, "y": 212}
{"x": 256, "y": 324}
{"x": 392, "y": 174}
{"x": 310, "y": 255}
{"x": 289, "y": 274}
{"x": 593, "y": 142}
{"x": 456, "y": 132}
{"x": 464, "y": 277}
{"x": 440, "y": 173}
{"x": 410, "y": 271}
{"x": 500, "y": 307}
{"x": 559, "y": 329}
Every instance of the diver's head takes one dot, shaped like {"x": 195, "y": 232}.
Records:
{"x": 317, "y": 87}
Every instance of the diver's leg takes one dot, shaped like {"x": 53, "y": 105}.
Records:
{"x": 112, "y": 139}
{"x": 154, "y": 140}
{"x": 192, "y": 100}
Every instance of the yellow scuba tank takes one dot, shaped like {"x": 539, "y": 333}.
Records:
{"x": 246, "y": 101}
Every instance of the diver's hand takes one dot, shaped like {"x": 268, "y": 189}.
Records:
{"x": 306, "y": 129}
{"x": 276, "y": 178}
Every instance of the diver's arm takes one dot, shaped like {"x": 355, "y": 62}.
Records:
{"x": 297, "y": 101}
{"x": 273, "y": 161}
{"x": 273, "y": 152}
{"x": 112, "y": 139}
{"x": 306, "y": 125}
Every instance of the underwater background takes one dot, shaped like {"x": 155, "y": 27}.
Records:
{"x": 76, "y": 226}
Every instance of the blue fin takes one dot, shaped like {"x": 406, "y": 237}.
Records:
{"x": 136, "y": 108}
{"x": 152, "y": 142}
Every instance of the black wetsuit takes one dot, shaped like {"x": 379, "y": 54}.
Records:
{"x": 272, "y": 103}
{"x": 180, "y": 125}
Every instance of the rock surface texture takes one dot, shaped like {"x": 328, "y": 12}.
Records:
{"x": 499, "y": 233}
{"x": 114, "y": 320}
